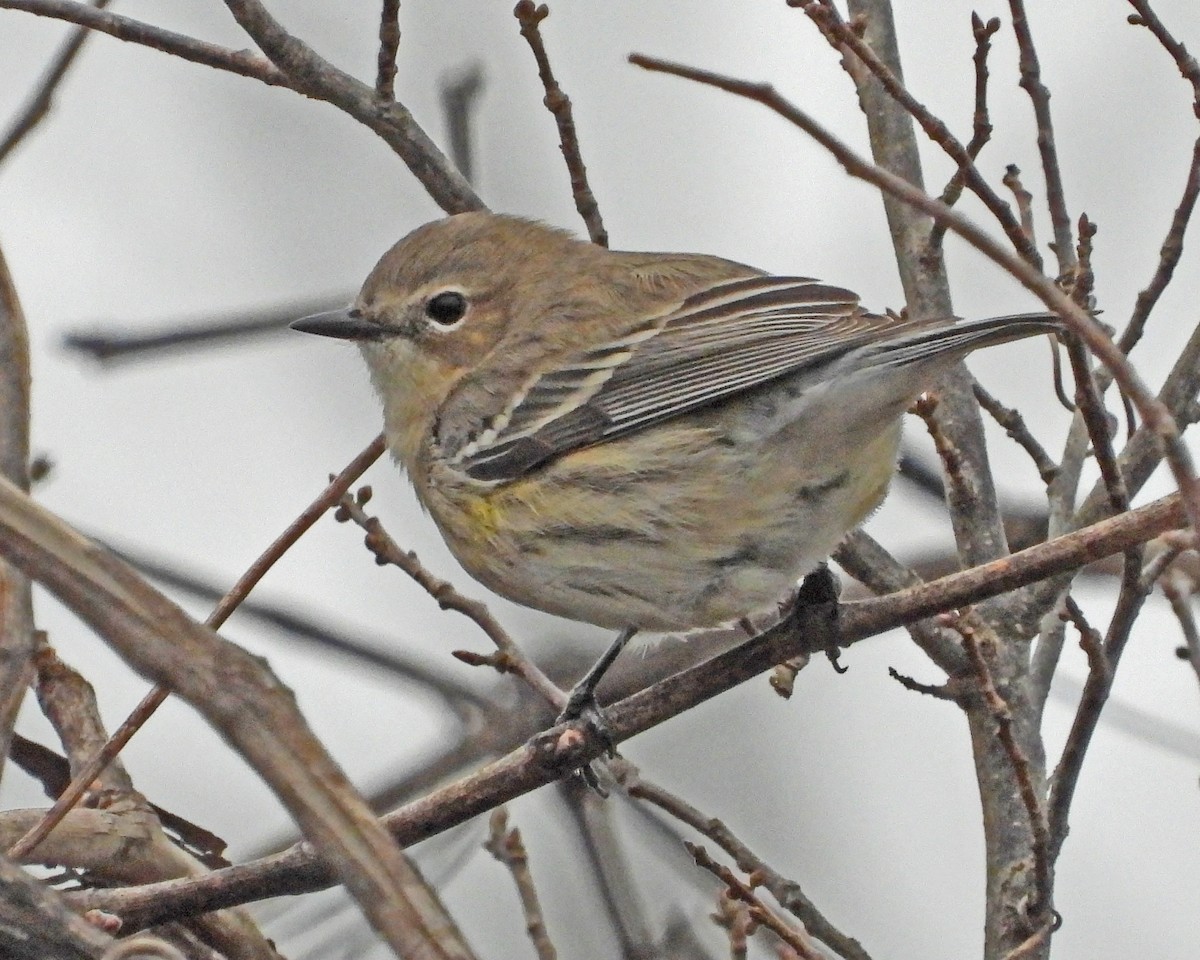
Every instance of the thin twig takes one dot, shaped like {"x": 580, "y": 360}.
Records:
{"x": 1096, "y": 690}
{"x": 941, "y": 691}
{"x": 42, "y": 100}
{"x": 552, "y": 754}
{"x": 1188, "y": 66}
{"x": 1018, "y": 431}
{"x": 1022, "y": 197}
{"x": 1168, "y": 257}
{"x": 787, "y": 892}
{"x": 1039, "y": 95}
{"x": 558, "y": 103}
{"x": 236, "y": 594}
{"x": 1087, "y": 389}
{"x": 981, "y": 125}
{"x": 510, "y": 658}
{"x": 926, "y": 408}
{"x": 507, "y": 847}
{"x": 842, "y": 37}
{"x": 794, "y": 937}
{"x": 389, "y": 45}
{"x": 1181, "y": 606}
{"x": 1155, "y": 415}
{"x": 1090, "y": 640}
{"x": 241, "y": 62}
{"x": 1030, "y": 794}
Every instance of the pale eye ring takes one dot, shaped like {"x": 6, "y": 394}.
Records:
{"x": 446, "y": 308}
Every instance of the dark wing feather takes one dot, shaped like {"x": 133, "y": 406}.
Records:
{"x": 725, "y": 340}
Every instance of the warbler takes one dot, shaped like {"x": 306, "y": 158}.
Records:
{"x": 641, "y": 441}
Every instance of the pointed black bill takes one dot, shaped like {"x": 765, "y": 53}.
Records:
{"x": 345, "y": 324}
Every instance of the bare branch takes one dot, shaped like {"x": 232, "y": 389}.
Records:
{"x": 787, "y": 892}
{"x": 1158, "y": 419}
{"x": 794, "y": 937}
{"x": 1023, "y": 198}
{"x": 508, "y": 847}
{"x": 837, "y": 32}
{"x": 17, "y": 639}
{"x": 559, "y": 104}
{"x": 389, "y": 45}
{"x": 1039, "y": 95}
{"x": 236, "y": 594}
{"x": 567, "y": 747}
{"x": 509, "y": 659}
{"x": 1168, "y": 258}
{"x": 981, "y": 126}
{"x": 1102, "y": 662}
{"x": 1189, "y": 68}
{"x": 40, "y": 102}
{"x": 241, "y": 62}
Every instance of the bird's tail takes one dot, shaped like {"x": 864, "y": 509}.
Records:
{"x": 961, "y": 338}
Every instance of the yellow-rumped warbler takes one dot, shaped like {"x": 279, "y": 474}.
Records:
{"x": 636, "y": 440}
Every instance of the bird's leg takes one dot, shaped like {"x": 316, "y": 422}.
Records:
{"x": 821, "y": 587}
{"x": 581, "y": 704}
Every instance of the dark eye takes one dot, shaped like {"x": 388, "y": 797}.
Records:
{"x": 446, "y": 308}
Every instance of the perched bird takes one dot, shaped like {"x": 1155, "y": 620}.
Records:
{"x": 642, "y": 441}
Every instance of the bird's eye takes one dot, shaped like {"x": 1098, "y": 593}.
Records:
{"x": 446, "y": 308}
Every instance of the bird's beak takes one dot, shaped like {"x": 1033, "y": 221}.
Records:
{"x": 345, "y": 324}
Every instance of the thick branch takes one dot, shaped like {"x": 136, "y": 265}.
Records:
{"x": 240, "y": 697}
{"x": 16, "y": 599}
{"x": 291, "y": 64}
{"x": 566, "y": 747}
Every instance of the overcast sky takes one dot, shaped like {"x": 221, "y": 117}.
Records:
{"x": 159, "y": 191}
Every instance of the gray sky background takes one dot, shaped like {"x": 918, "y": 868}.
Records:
{"x": 159, "y": 190}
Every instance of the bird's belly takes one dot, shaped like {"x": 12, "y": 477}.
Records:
{"x": 666, "y": 531}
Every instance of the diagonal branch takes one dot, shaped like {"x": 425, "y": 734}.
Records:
{"x": 310, "y": 74}
{"x": 530, "y": 16}
{"x": 841, "y": 36}
{"x": 293, "y": 64}
{"x": 39, "y": 104}
{"x": 566, "y": 747}
{"x": 242, "y": 62}
{"x": 1039, "y": 95}
{"x": 1156, "y": 416}
{"x": 240, "y": 697}
{"x": 227, "y": 604}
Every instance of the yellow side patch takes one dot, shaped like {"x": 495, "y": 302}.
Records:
{"x": 482, "y": 513}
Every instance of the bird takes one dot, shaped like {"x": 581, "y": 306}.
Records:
{"x": 652, "y": 442}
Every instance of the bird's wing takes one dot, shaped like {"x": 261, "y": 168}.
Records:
{"x": 722, "y": 341}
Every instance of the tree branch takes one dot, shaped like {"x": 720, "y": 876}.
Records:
{"x": 567, "y": 747}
